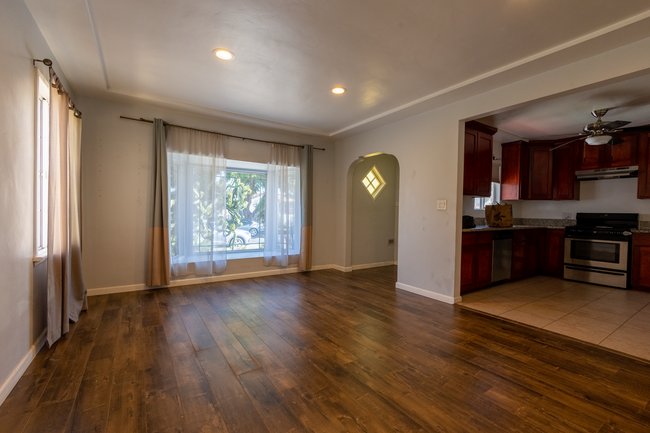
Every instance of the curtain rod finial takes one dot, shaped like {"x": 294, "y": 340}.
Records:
{"x": 46, "y": 62}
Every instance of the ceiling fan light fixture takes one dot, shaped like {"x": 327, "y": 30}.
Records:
{"x": 224, "y": 54}
{"x": 598, "y": 140}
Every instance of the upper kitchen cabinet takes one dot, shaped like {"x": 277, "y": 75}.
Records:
{"x": 608, "y": 156}
{"x": 643, "y": 190}
{"x": 540, "y": 180}
{"x": 565, "y": 184}
{"x": 531, "y": 171}
{"x": 477, "y": 177}
{"x": 514, "y": 170}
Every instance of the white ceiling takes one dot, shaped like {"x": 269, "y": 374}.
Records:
{"x": 389, "y": 54}
{"x": 566, "y": 115}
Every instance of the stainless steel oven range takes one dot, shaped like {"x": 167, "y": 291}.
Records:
{"x": 597, "y": 248}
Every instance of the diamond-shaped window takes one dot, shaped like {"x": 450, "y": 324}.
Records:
{"x": 373, "y": 182}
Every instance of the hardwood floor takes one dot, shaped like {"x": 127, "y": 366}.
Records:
{"x": 319, "y": 352}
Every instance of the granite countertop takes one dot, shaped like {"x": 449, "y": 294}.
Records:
{"x": 514, "y": 227}
{"x": 539, "y": 223}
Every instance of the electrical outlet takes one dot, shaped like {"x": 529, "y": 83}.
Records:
{"x": 442, "y": 205}
{"x": 391, "y": 241}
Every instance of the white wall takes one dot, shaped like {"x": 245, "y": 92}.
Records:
{"x": 429, "y": 149}
{"x": 117, "y": 159}
{"x": 610, "y": 195}
{"x": 21, "y": 320}
{"x": 373, "y": 221}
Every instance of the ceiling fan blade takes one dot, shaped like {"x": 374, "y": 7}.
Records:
{"x": 568, "y": 142}
{"x": 615, "y": 124}
{"x": 642, "y": 128}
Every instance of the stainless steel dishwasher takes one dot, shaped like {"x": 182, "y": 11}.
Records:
{"x": 502, "y": 255}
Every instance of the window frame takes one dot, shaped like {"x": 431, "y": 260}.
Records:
{"x": 41, "y": 165}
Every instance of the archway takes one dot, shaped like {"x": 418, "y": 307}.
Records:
{"x": 373, "y": 191}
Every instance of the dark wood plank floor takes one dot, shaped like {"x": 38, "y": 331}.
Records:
{"x": 318, "y": 352}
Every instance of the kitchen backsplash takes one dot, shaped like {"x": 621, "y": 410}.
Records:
{"x": 538, "y": 222}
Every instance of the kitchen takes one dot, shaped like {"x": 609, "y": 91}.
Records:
{"x": 561, "y": 203}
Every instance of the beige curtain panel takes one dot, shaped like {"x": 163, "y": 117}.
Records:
{"x": 158, "y": 269}
{"x": 66, "y": 292}
{"x": 307, "y": 202}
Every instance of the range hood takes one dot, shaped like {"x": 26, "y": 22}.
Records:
{"x": 608, "y": 173}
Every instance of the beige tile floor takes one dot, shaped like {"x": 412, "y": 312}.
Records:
{"x": 609, "y": 317}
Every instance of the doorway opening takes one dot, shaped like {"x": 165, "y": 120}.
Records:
{"x": 373, "y": 203}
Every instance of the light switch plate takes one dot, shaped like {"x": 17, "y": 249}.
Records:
{"x": 442, "y": 205}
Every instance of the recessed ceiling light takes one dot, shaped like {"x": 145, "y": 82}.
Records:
{"x": 224, "y": 54}
{"x": 338, "y": 90}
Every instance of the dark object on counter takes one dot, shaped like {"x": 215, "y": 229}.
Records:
{"x": 468, "y": 222}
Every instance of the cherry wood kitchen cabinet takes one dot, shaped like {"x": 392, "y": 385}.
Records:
{"x": 609, "y": 156}
{"x": 592, "y": 157}
{"x": 540, "y": 180}
{"x": 531, "y": 171}
{"x": 514, "y": 170}
{"x": 640, "y": 271}
{"x": 643, "y": 189}
{"x": 476, "y": 261}
{"x": 554, "y": 252}
{"x": 527, "y": 253}
{"x": 477, "y": 175}
{"x": 626, "y": 153}
{"x": 565, "y": 184}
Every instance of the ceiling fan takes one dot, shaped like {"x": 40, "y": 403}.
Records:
{"x": 603, "y": 132}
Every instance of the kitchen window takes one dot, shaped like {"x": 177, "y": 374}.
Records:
{"x": 495, "y": 197}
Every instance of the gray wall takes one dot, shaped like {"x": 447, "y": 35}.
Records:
{"x": 21, "y": 313}
{"x": 117, "y": 159}
{"x": 374, "y": 221}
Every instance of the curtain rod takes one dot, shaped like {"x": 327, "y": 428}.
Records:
{"x": 58, "y": 85}
{"x": 227, "y": 135}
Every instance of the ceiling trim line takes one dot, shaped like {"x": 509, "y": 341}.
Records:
{"x": 100, "y": 52}
{"x": 556, "y": 49}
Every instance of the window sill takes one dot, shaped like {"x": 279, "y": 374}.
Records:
{"x": 234, "y": 255}
{"x": 39, "y": 257}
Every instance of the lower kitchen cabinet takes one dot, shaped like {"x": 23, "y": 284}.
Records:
{"x": 641, "y": 261}
{"x": 527, "y": 253}
{"x": 554, "y": 252}
{"x": 476, "y": 261}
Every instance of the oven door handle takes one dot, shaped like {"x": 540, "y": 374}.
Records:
{"x": 575, "y": 268}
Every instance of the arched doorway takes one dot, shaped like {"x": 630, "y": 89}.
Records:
{"x": 373, "y": 192}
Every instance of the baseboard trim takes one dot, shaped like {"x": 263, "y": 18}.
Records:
{"x": 342, "y": 268}
{"x": 426, "y": 293}
{"x": 19, "y": 370}
{"x": 373, "y": 265}
{"x": 190, "y": 281}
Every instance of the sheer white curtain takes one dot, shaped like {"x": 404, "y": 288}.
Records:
{"x": 197, "y": 202}
{"x": 283, "y": 220}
